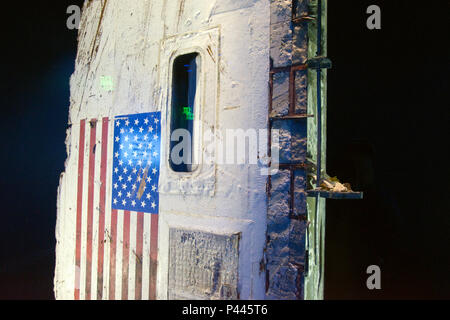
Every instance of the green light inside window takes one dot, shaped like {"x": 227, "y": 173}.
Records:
{"x": 184, "y": 91}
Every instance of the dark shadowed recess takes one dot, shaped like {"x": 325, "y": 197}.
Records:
{"x": 38, "y": 54}
{"x": 388, "y": 136}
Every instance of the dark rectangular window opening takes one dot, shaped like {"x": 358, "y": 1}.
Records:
{"x": 184, "y": 89}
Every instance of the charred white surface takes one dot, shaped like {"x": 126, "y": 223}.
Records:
{"x": 131, "y": 42}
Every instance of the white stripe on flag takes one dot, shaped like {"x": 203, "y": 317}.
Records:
{"x": 119, "y": 250}
{"x": 146, "y": 258}
{"x": 108, "y": 236}
{"x": 96, "y": 212}
{"x": 132, "y": 256}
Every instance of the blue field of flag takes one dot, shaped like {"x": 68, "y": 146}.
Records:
{"x": 136, "y": 162}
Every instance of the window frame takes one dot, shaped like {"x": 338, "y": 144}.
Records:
{"x": 198, "y": 107}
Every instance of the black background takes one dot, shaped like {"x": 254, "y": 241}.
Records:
{"x": 387, "y": 136}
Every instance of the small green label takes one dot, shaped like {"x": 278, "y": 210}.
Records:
{"x": 188, "y": 112}
{"x": 107, "y": 83}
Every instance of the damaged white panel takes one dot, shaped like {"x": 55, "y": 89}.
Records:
{"x": 203, "y": 265}
{"x": 130, "y": 44}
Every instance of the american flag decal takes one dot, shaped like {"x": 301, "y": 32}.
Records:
{"x": 117, "y": 207}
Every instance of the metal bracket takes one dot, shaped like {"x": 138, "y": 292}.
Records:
{"x": 336, "y": 195}
{"x": 306, "y": 18}
{"x": 306, "y": 263}
{"x": 318, "y": 63}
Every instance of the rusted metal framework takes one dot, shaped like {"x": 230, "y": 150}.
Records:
{"x": 316, "y": 65}
{"x": 292, "y": 115}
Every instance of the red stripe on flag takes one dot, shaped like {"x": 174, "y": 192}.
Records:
{"x": 125, "y": 254}
{"x": 112, "y": 262}
{"x": 90, "y": 209}
{"x": 139, "y": 246}
{"x": 101, "y": 222}
{"x": 79, "y": 209}
{"x": 153, "y": 255}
